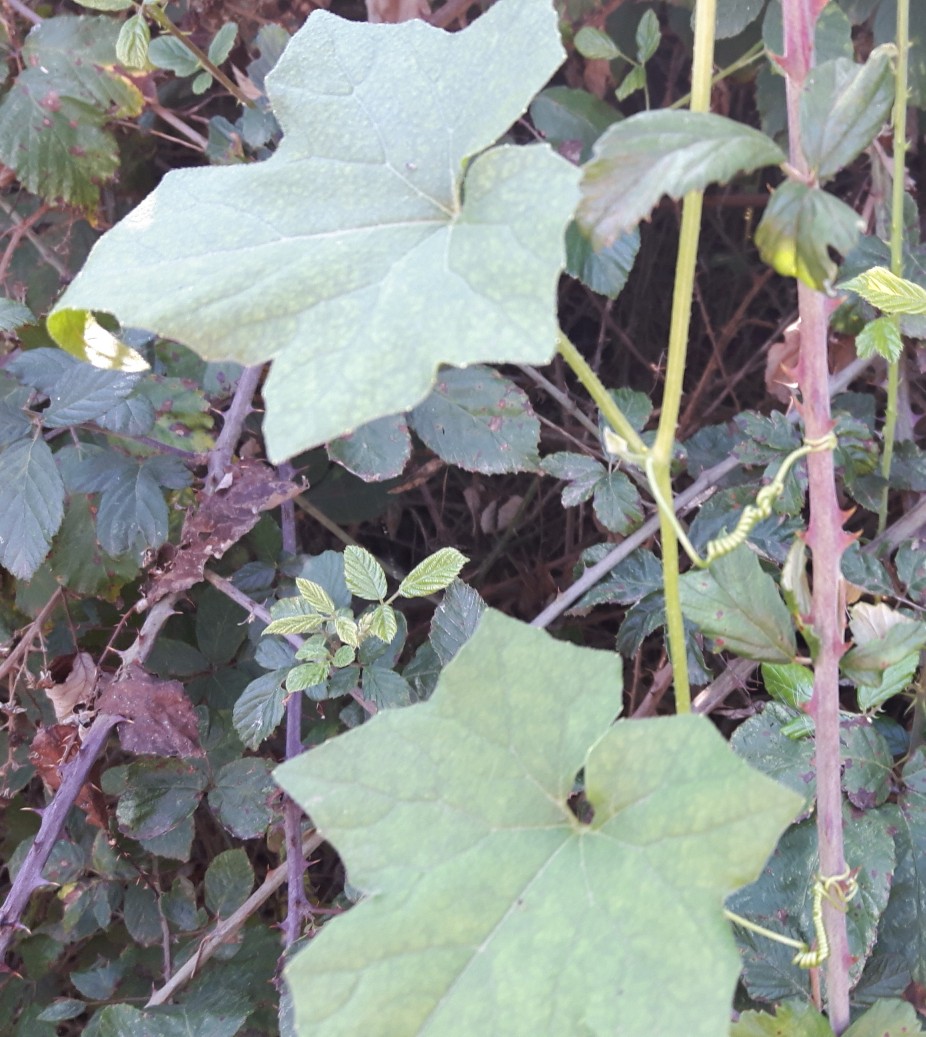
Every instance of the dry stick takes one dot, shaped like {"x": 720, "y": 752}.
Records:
{"x": 240, "y": 407}
{"x": 29, "y": 877}
{"x": 74, "y": 773}
{"x": 298, "y": 908}
{"x": 20, "y": 8}
{"x": 29, "y": 635}
{"x": 35, "y": 241}
{"x": 166, "y": 115}
{"x": 705, "y": 483}
{"x": 225, "y": 929}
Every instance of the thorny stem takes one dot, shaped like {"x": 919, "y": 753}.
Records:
{"x": 73, "y": 776}
{"x": 825, "y": 536}
{"x": 238, "y": 410}
{"x": 703, "y": 486}
{"x": 899, "y": 124}
{"x": 226, "y": 929}
{"x": 298, "y": 908}
{"x": 29, "y": 877}
{"x": 159, "y": 16}
{"x": 689, "y": 233}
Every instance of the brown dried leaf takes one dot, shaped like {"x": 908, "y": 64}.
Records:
{"x": 162, "y": 721}
{"x": 77, "y": 687}
{"x": 217, "y": 522}
{"x": 51, "y": 749}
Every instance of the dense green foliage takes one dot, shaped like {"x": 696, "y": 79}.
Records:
{"x": 210, "y": 566}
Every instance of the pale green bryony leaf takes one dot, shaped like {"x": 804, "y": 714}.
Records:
{"x": 887, "y": 1017}
{"x": 356, "y": 257}
{"x": 315, "y": 595}
{"x": 738, "y": 606}
{"x": 797, "y": 1018}
{"x": 364, "y": 575}
{"x": 595, "y": 44}
{"x": 382, "y": 623}
{"x": 435, "y": 573}
{"x": 132, "y": 43}
{"x": 454, "y": 816}
{"x": 888, "y": 292}
{"x": 637, "y": 161}
{"x": 800, "y": 226}
{"x": 306, "y": 675}
{"x": 648, "y": 36}
{"x": 222, "y": 43}
{"x": 880, "y": 337}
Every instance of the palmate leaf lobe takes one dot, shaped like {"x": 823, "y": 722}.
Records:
{"x": 358, "y": 257}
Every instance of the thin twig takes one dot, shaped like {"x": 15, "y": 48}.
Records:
{"x": 226, "y": 929}
{"x": 298, "y": 909}
{"x": 34, "y": 240}
{"x": 29, "y": 877}
{"x": 29, "y": 634}
{"x": 20, "y": 8}
{"x": 166, "y": 115}
{"x": 705, "y": 483}
{"x": 238, "y": 410}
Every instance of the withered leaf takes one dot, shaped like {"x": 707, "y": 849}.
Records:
{"x": 51, "y": 749}
{"x": 219, "y": 521}
{"x": 160, "y": 719}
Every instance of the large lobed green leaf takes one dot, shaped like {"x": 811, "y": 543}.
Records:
{"x": 358, "y": 257}
{"x": 491, "y": 908}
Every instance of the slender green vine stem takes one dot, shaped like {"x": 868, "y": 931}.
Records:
{"x": 163, "y": 22}
{"x": 755, "y": 52}
{"x": 899, "y": 124}
{"x": 769, "y": 934}
{"x": 660, "y": 474}
{"x": 633, "y": 446}
{"x": 750, "y": 516}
